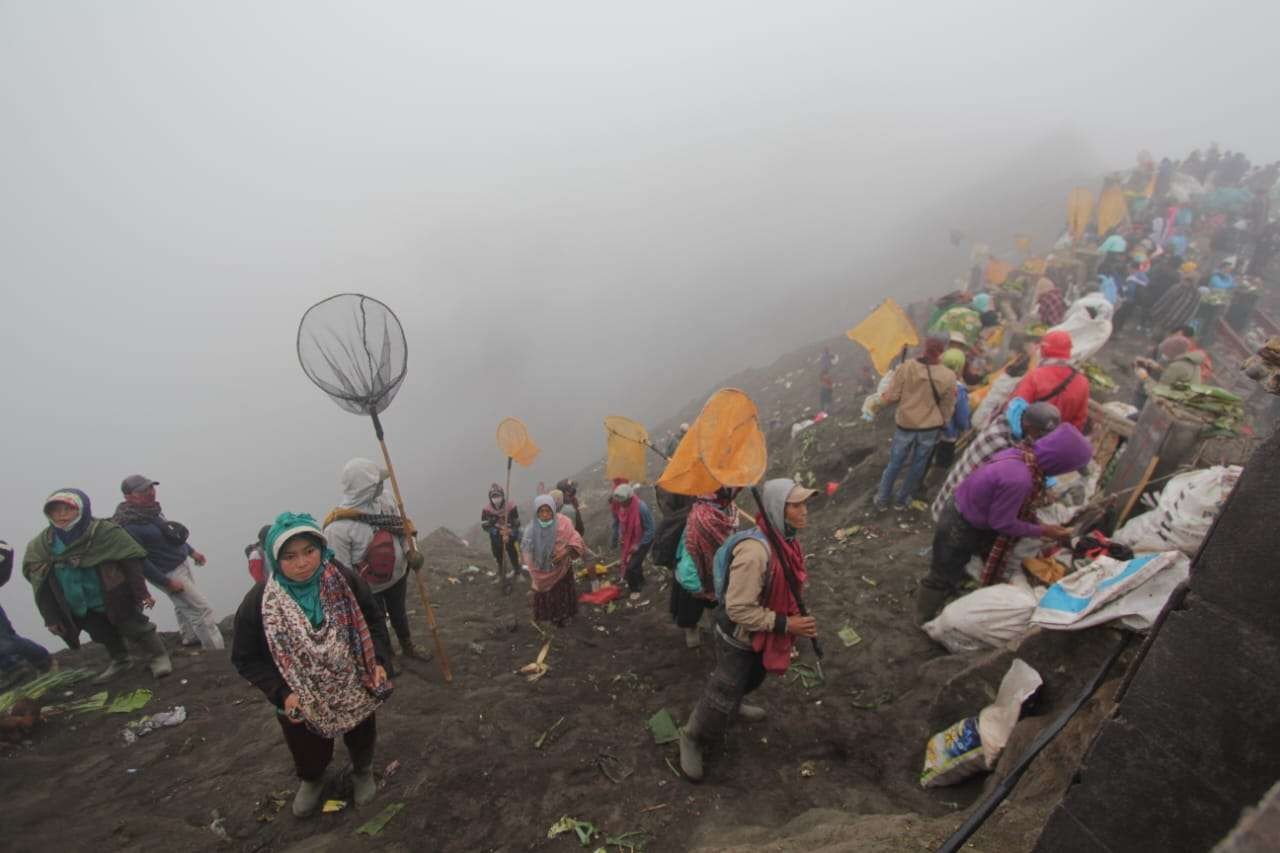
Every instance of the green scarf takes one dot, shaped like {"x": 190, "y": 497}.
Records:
{"x": 103, "y": 542}
{"x": 307, "y": 592}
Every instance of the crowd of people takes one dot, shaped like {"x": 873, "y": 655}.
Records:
{"x": 995, "y": 400}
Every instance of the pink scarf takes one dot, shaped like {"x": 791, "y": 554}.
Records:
{"x": 569, "y": 547}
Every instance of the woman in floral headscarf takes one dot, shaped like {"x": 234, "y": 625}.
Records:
{"x": 312, "y": 639}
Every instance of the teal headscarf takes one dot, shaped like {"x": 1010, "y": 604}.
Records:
{"x": 306, "y": 593}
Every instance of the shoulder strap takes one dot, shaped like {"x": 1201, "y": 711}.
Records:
{"x": 1062, "y": 386}
{"x": 937, "y": 400}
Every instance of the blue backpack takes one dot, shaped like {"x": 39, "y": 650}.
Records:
{"x": 724, "y": 557}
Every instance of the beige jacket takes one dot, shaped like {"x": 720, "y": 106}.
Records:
{"x": 742, "y": 597}
{"x": 917, "y": 408}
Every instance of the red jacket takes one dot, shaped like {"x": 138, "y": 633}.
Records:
{"x": 1072, "y": 401}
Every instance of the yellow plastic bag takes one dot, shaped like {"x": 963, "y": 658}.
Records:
{"x": 1079, "y": 211}
{"x": 626, "y": 443}
{"x": 514, "y": 440}
{"x": 884, "y": 333}
{"x": 723, "y": 447}
{"x": 1112, "y": 209}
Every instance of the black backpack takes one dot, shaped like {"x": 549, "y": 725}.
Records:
{"x": 666, "y": 539}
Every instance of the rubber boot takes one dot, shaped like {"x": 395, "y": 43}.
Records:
{"x": 928, "y": 602}
{"x": 690, "y": 756}
{"x": 160, "y": 664}
{"x": 364, "y": 789}
{"x": 118, "y": 666}
{"x": 692, "y": 638}
{"x": 307, "y": 800}
{"x": 751, "y": 713}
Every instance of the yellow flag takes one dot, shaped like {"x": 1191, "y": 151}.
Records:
{"x": 884, "y": 333}
{"x": 723, "y": 447}
{"x": 626, "y": 443}
{"x": 514, "y": 440}
{"x": 1111, "y": 209}
{"x": 1079, "y": 211}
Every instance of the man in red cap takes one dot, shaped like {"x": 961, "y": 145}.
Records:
{"x": 1056, "y": 381}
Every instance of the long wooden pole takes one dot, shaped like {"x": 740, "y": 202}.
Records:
{"x": 441, "y": 657}
{"x": 1137, "y": 491}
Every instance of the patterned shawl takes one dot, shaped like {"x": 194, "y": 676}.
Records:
{"x": 568, "y": 547}
{"x": 330, "y": 668}
{"x": 710, "y": 522}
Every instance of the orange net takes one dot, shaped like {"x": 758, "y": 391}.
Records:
{"x": 514, "y": 440}
{"x": 625, "y": 445}
{"x": 724, "y": 447}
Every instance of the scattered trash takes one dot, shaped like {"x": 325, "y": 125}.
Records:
{"x": 542, "y": 738}
{"x": 127, "y": 703}
{"x": 380, "y": 822}
{"x": 630, "y": 841}
{"x": 476, "y": 648}
{"x": 663, "y": 727}
{"x": 974, "y": 744}
{"x": 613, "y": 768}
{"x": 808, "y": 676}
{"x": 96, "y": 702}
{"x": 183, "y": 682}
{"x": 581, "y": 828}
{"x": 451, "y": 579}
{"x": 537, "y": 669}
{"x": 655, "y": 808}
{"x": 919, "y": 505}
{"x": 37, "y": 687}
{"x": 270, "y": 806}
{"x": 801, "y": 426}
{"x": 333, "y": 806}
{"x": 885, "y": 697}
{"x": 148, "y": 724}
{"x": 848, "y": 636}
{"x": 605, "y": 594}
{"x": 219, "y": 827}
{"x": 832, "y": 486}
{"x": 471, "y": 570}
{"x": 808, "y": 770}
{"x": 868, "y": 581}
{"x": 845, "y": 532}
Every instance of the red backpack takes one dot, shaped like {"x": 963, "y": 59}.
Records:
{"x": 379, "y": 563}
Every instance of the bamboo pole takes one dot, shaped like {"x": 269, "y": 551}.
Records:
{"x": 442, "y": 659}
{"x": 1137, "y": 491}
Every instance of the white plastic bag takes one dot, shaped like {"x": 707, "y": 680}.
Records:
{"x": 1088, "y": 334}
{"x": 1183, "y": 514}
{"x": 986, "y": 618}
{"x": 1130, "y": 592}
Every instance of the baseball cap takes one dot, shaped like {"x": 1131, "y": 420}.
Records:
{"x": 137, "y": 483}
{"x": 800, "y": 494}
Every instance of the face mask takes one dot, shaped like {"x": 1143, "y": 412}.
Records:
{"x": 547, "y": 523}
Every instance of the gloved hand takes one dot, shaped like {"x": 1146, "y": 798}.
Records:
{"x": 1013, "y": 414}
{"x": 415, "y": 560}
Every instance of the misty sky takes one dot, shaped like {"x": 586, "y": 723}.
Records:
{"x": 577, "y": 209}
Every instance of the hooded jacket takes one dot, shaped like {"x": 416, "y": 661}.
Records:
{"x": 992, "y": 496}
{"x": 362, "y": 490}
{"x": 1072, "y": 401}
{"x": 1184, "y": 368}
{"x": 749, "y": 576}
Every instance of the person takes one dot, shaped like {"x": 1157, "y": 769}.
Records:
{"x": 971, "y": 375}
{"x": 312, "y": 639}
{"x": 1223, "y": 279}
{"x": 757, "y": 620}
{"x": 368, "y": 535}
{"x": 827, "y": 360}
{"x": 1180, "y": 302}
{"x": 1114, "y": 245}
{"x": 633, "y": 530}
{"x": 501, "y": 520}
{"x": 987, "y": 315}
{"x": 569, "y": 489}
{"x": 1055, "y": 381}
{"x": 712, "y": 519}
{"x": 945, "y": 450}
{"x": 168, "y": 561}
{"x": 1022, "y": 348}
{"x": 925, "y": 392}
{"x": 256, "y": 555}
{"x": 1181, "y": 369}
{"x": 1032, "y": 423}
{"x": 20, "y": 658}
{"x": 87, "y": 575}
{"x": 1050, "y": 306}
{"x": 549, "y": 548}
{"x": 995, "y": 505}
{"x": 826, "y": 392}
{"x": 675, "y": 440}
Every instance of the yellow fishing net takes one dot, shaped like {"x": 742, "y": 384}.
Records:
{"x": 514, "y": 440}
{"x": 724, "y": 447}
{"x": 626, "y": 443}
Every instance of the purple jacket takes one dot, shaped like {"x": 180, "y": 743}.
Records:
{"x": 991, "y": 497}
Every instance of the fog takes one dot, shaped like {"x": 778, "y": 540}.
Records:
{"x": 576, "y": 209}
